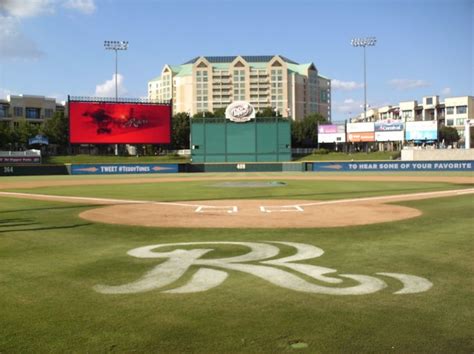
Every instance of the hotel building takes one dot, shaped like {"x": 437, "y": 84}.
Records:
{"x": 209, "y": 83}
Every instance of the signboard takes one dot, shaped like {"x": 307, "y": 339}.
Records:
{"x": 331, "y": 128}
{"x": 389, "y": 136}
{"x": 119, "y": 123}
{"x": 362, "y": 137}
{"x": 19, "y": 159}
{"x": 38, "y": 139}
{"x": 112, "y": 169}
{"x": 388, "y": 125}
{"x": 332, "y": 138}
{"x": 380, "y": 166}
{"x": 240, "y": 111}
{"x": 360, "y": 127}
{"x": 424, "y": 130}
{"x": 332, "y": 133}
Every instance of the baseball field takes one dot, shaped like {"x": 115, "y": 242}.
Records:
{"x": 251, "y": 263}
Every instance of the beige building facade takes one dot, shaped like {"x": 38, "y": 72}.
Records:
{"x": 453, "y": 112}
{"x": 34, "y": 109}
{"x": 209, "y": 83}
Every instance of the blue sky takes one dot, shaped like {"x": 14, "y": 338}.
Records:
{"x": 55, "y": 47}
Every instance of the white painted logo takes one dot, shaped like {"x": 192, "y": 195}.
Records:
{"x": 240, "y": 111}
{"x": 179, "y": 261}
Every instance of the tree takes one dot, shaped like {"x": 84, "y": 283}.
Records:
{"x": 5, "y": 136}
{"x": 449, "y": 135}
{"x": 205, "y": 114}
{"x": 57, "y": 130}
{"x": 304, "y": 133}
{"x": 219, "y": 112}
{"x": 22, "y": 132}
{"x": 180, "y": 131}
{"x": 267, "y": 112}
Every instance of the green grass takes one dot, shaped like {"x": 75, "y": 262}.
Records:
{"x": 357, "y": 156}
{"x": 50, "y": 259}
{"x": 79, "y": 159}
{"x": 213, "y": 190}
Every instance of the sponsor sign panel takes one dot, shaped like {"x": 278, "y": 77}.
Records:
{"x": 361, "y": 137}
{"x": 38, "y": 139}
{"x": 112, "y": 169}
{"x": 388, "y": 125}
{"x": 332, "y": 138}
{"x": 389, "y": 135}
{"x": 19, "y": 159}
{"x": 380, "y": 166}
{"x": 425, "y": 130}
{"x": 331, "y": 129}
{"x": 240, "y": 111}
{"x": 360, "y": 127}
{"x": 119, "y": 123}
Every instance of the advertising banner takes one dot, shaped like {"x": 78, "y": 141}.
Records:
{"x": 389, "y": 136}
{"x": 20, "y": 159}
{"x": 112, "y": 169}
{"x": 362, "y": 137}
{"x": 424, "y": 130}
{"x": 360, "y": 127}
{"x": 332, "y": 133}
{"x": 332, "y": 138}
{"x": 331, "y": 129}
{"x": 380, "y": 166}
{"x": 388, "y": 125}
{"x": 119, "y": 123}
{"x": 38, "y": 139}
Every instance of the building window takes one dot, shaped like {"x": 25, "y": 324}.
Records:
{"x": 460, "y": 121}
{"x": 429, "y": 100}
{"x": 3, "y": 111}
{"x": 449, "y": 122}
{"x": 461, "y": 109}
{"x": 18, "y": 111}
{"x": 449, "y": 110}
{"x": 33, "y": 113}
{"x": 48, "y": 113}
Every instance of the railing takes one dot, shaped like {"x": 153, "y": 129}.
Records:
{"x": 119, "y": 100}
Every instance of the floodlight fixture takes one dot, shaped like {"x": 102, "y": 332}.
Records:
{"x": 364, "y": 42}
{"x": 116, "y": 46}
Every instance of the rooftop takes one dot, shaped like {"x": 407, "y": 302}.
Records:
{"x": 248, "y": 58}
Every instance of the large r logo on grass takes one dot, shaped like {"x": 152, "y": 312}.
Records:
{"x": 179, "y": 261}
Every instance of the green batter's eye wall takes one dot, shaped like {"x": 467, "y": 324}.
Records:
{"x": 259, "y": 140}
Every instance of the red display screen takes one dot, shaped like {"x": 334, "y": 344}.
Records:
{"x": 119, "y": 123}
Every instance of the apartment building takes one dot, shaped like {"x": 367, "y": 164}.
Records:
{"x": 208, "y": 83}
{"x": 35, "y": 109}
{"x": 453, "y": 112}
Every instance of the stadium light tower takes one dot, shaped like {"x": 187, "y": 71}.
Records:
{"x": 364, "y": 42}
{"x": 116, "y": 46}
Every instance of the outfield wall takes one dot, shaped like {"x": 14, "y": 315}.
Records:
{"x": 307, "y": 166}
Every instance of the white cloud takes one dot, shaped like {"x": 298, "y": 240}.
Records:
{"x": 107, "y": 89}
{"x": 14, "y": 43}
{"x": 4, "y": 93}
{"x": 348, "y": 106}
{"x": 345, "y": 85}
{"x": 84, "y": 6}
{"x": 446, "y": 91}
{"x": 407, "y": 84}
{"x": 26, "y": 8}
